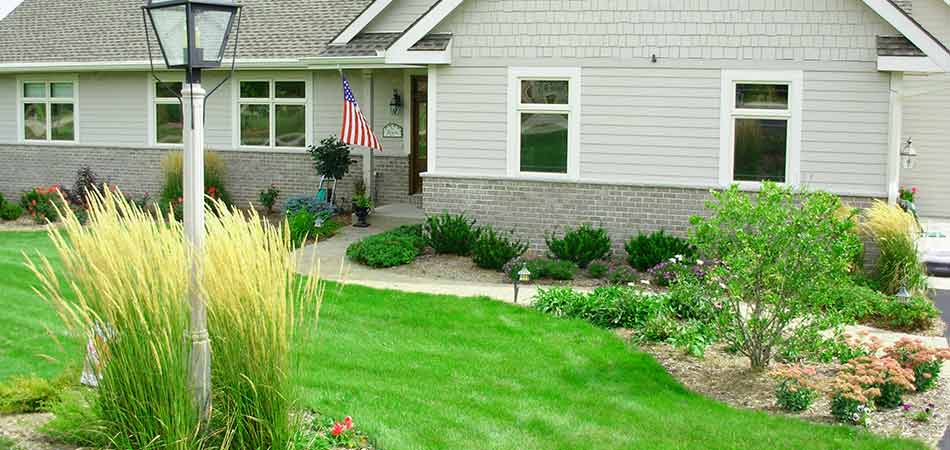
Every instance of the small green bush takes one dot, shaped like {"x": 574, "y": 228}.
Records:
{"x": 917, "y": 313}
{"x": 561, "y": 270}
{"x": 848, "y": 410}
{"x": 10, "y": 211}
{"x": 492, "y": 250}
{"x": 38, "y": 203}
{"x": 606, "y": 306}
{"x": 598, "y": 270}
{"x": 301, "y": 227}
{"x": 659, "y": 328}
{"x": 622, "y": 276}
{"x": 29, "y": 394}
{"x": 793, "y": 397}
{"x": 384, "y": 250}
{"x": 580, "y": 246}
{"x": 644, "y": 251}
{"x": 412, "y": 232}
{"x": 451, "y": 234}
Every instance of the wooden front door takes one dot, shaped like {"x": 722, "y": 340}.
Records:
{"x": 418, "y": 154}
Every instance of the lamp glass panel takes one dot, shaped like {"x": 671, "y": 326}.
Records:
{"x": 171, "y": 26}
{"x": 211, "y": 28}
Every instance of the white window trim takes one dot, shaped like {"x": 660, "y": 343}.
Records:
{"x": 573, "y": 109}
{"x": 48, "y": 100}
{"x": 728, "y": 113}
{"x": 237, "y": 101}
{"x": 153, "y": 101}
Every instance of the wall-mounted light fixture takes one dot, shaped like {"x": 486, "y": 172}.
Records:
{"x": 909, "y": 154}
{"x": 395, "y": 105}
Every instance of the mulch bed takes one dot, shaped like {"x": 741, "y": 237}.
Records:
{"x": 24, "y": 430}
{"x": 726, "y": 377}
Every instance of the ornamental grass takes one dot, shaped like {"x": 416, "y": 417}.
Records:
{"x": 123, "y": 285}
{"x": 893, "y": 230}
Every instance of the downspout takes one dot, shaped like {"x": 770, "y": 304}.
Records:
{"x": 895, "y": 135}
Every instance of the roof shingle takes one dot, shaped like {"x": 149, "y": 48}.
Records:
{"x": 112, "y": 30}
{"x": 897, "y": 46}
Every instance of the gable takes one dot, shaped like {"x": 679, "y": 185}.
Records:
{"x": 398, "y": 16}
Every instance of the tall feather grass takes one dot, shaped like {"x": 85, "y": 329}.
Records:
{"x": 894, "y": 231}
{"x": 126, "y": 273}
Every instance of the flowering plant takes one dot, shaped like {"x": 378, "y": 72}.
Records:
{"x": 922, "y": 415}
{"x": 342, "y": 434}
{"x": 798, "y": 386}
{"x": 39, "y": 203}
{"x": 866, "y": 380}
{"x": 908, "y": 194}
{"x": 664, "y": 273}
{"x": 925, "y": 362}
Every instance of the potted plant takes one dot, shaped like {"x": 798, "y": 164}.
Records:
{"x": 331, "y": 159}
{"x": 361, "y": 204}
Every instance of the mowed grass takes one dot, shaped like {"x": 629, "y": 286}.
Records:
{"x": 441, "y": 372}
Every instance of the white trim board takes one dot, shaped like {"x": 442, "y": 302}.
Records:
{"x": 361, "y": 21}
{"x": 917, "y": 64}
{"x": 399, "y": 50}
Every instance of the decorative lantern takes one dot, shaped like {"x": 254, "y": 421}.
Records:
{"x": 192, "y": 34}
{"x": 395, "y": 105}
{"x": 903, "y": 294}
{"x": 909, "y": 154}
{"x": 524, "y": 275}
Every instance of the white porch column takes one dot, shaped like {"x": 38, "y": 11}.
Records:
{"x": 369, "y": 165}
{"x": 895, "y": 136}
{"x": 193, "y": 97}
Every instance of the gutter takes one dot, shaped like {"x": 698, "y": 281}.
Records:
{"x": 73, "y": 66}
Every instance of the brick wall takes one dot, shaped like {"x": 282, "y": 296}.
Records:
{"x": 534, "y": 208}
{"x": 138, "y": 171}
{"x": 392, "y": 176}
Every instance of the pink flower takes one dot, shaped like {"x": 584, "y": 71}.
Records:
{"x": 337, "y": 429}
{"x": 348, "y": 422}
{"x": 913, "y": 189}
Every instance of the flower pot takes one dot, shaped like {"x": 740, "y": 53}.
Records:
{"x": 361, "y": 214}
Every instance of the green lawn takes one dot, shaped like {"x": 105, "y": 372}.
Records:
{"x": 441, "y": 372}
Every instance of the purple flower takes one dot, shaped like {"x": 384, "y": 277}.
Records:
{"x": 906, "y": 406}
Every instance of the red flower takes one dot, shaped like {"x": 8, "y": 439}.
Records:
{"x": 337, "y": 429}
{"x": 913, "y": 189}
{"x": 33, "y": 202}
{"x": 212, "y": 190}
{"x": 348, "y": 422}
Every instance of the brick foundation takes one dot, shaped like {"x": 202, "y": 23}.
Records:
{"x": 137, "y": 171}
{"x": 535, "y": 208}
{"x": 392, "y": 178}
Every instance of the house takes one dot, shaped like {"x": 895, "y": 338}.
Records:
{"x": 527, "y": 114}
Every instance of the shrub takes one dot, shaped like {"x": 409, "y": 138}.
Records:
{"x": 848, "y": 410}
{"x": 775, "y": 249}
{"x": 256, "y": 310}
{"x": 598, "y": 270}
{"x": 693, "y": 337}
{"x": 622, "y": 276}
{"x": 492, "y": 250}
{"x": 647, "y": 250}
{"x": 580, "y": 246}
{"x": 863, "y": 304}
{"x": 413, "y": 233}
{"x": 301, "y": 225}
{"x": 171, "y": 198}
{"x": 451, "y": 234}
{"x": 560, "y": 270}
{"x": 86, "y": 181}
{"x": 924, "y": 361}
{"x": 893, "y": 230}
{"x": 39, "y": 203}
{"x": 916, "y": 313}
{"x": 607, "y": 306}
{"x": 658, "y": 328}
{"x": 10, "y": 211}
{"x": 667, "y": 272}
{"x": 384, "y": 250}
{"x": 797, "y": 386}
{"x": 688, "y": 300}
{"x": 268, "y": 197}
{"x": 26, "y": 394}
{"x": 307, "y": 203}
{"x": 331, "y": 158}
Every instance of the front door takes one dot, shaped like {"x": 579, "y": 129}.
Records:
{"x": 418, "y": 154}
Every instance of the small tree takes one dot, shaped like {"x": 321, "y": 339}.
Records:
{"x": 331, "y": 158}
{"x": 776, "y": 249}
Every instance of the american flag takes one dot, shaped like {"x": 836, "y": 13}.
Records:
{"x": 356, "y": 130}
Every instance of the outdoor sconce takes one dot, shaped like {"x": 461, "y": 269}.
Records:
{"x": 903, "y": 294}
{"x": 395, "y": 105}
{"x": 909, "y": 154}
{"x": 524, "y": 275}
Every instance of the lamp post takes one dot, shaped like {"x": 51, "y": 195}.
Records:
{"x": 193, "y": 36}
{"x": 524, "y": 275}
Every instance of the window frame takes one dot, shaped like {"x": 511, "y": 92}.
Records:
{"x": 47, "y": 100}
{"x": 272, "y": 102}
{"x": 729, "y": 113}
{"x": 153, "y": 101}
{"x": 515, "y": 109}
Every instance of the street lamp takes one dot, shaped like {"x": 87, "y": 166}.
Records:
{"x": 192, "y": 36}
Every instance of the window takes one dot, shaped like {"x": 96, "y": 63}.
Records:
{"x": 272, "y": 113}
{"x": 761, "y": 127}
{"x": 543, "y": 132}
{"x": 48, "y": 111}
{"x": 169, "y": 122}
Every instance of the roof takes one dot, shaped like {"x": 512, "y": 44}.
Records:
{"x": 897, "y": 46}
{"x": 369, "y": 44}
{"x": 112, "y": 30}
{"x": 433, "y": 42}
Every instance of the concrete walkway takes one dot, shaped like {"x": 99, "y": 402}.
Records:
{"x": 333, "y": 264}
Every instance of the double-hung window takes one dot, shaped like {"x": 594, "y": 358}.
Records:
{"x": 272, "y": 113}
{"x": 48, "y": 110}
{"x": 543, "y": 118}
{"x": 761, "y": 127}
{"x": 169, "y": 122}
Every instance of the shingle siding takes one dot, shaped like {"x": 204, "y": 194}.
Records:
{"x": 399, "y": 15}
{"x": 826, "y": 30}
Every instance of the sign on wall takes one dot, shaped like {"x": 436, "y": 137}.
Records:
{"x": 392, "y": 130}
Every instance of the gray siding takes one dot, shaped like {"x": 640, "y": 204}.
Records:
{"x": 112, "y": 109}
{"x": 927, "y": 119}
{"x": 8, "y": 112}
{"x": 658, "y": 123}
{"x": 398, "y": 16}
